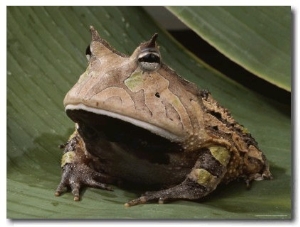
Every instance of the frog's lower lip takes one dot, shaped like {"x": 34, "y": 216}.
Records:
{"x": 142, "y": 124}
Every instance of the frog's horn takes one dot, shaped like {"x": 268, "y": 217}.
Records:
{"x": 95, "y": 34}
{"x": 151, "y": 44}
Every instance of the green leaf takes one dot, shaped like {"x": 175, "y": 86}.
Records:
{"x": 45, "y": 56}
{"x": 257, "y": 38}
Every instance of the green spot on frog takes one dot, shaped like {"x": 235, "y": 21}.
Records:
{"x": 135, "y": 81}
{"x": 68, "y": 158}
{"x": 205, "y": 178}
{"x": 221, "y": 154}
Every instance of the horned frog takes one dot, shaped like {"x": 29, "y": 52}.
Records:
{"x": 139, "y": 123}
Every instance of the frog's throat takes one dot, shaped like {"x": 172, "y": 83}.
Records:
{"x": 142, "y": 124}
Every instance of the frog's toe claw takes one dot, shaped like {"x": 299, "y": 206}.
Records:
{"x": 76, "y": 176}
{"x": 140, "y": 200}
{"x": 75, "y": 187}
{"x": 59, "y": 190}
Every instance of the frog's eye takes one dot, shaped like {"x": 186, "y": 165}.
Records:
{"x": 149, "y": 57}
{"x": 149, "y": 60}
{"x": 88, "y": 52}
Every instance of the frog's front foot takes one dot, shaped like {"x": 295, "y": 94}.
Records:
{"x": 76, "y": 176}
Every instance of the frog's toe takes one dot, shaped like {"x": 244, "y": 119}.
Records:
{"x": 76, "y": 176}
{"x": 149, "y": 196}
{"x": 140, "y": 200}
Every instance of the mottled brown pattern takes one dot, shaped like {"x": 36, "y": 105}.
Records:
{"x": 140, "y": 123}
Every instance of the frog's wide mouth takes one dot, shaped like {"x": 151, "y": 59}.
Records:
{"x": 142, "y": 124}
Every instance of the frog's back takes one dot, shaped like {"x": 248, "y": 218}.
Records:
{"x": 246, "y": 159}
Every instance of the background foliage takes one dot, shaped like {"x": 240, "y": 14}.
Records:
{"x": 255, "y": 37}
{"x": 45, "y": 56}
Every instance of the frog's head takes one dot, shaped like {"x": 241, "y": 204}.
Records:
{"x": 137, "y": 89}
